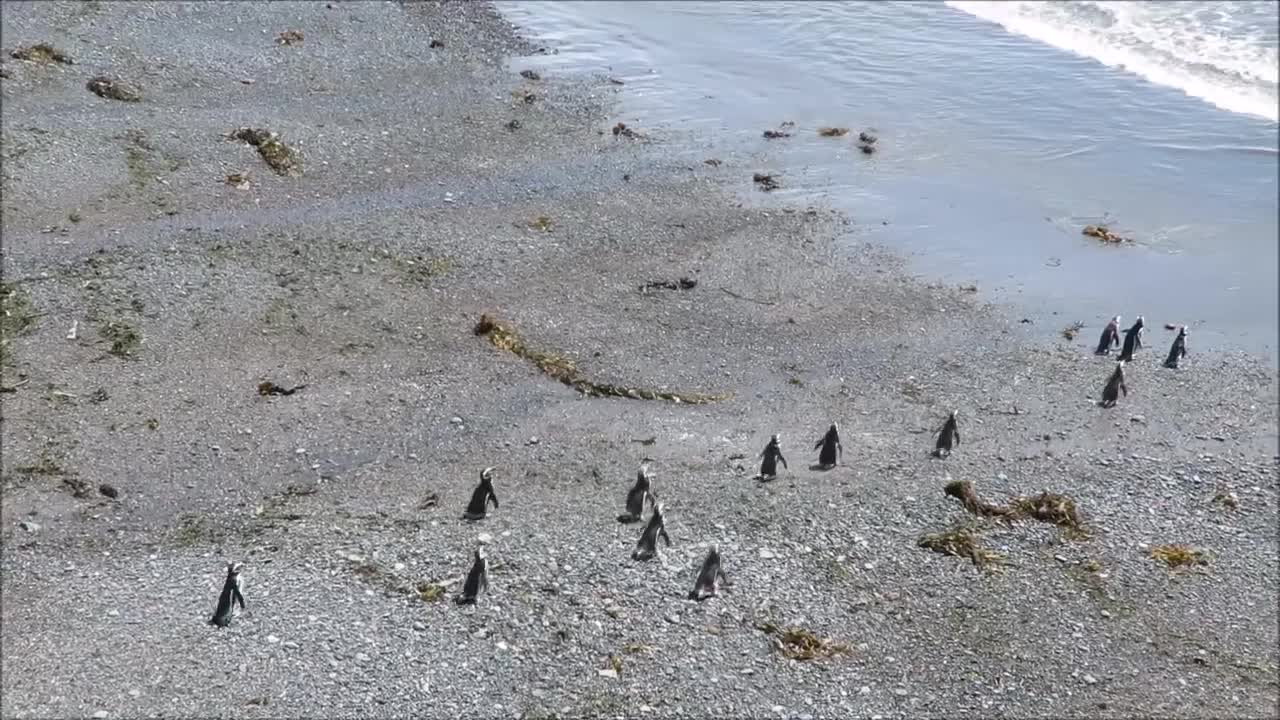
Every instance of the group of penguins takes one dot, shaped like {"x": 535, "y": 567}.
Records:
{"x": 707, "y": 584}
{"x": 1132, "y": 341}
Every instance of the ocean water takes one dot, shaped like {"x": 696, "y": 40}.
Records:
{"x": 1004, "y": 127}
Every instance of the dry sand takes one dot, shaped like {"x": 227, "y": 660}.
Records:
{"x": 416, "y": 210}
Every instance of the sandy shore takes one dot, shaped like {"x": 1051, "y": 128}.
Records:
{"x": 436, "y": 184}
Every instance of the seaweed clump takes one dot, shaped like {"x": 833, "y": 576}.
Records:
{"x": 278, "y": 156}
{"x": 125, "y": 339}
{"x": 963, "y": 491}
{"x": 961, "y": 541}
{"x": 1104, "y": 234}
{"x": 797, "y": 643}
{"x": 1178, "y": 556}
{"x": 833, "y": 131}
{"x": 114, "y": 89}
{"x": 42, "y": 53}
{"x": 559, "y": 367}
{"x": 1046, "y": 507}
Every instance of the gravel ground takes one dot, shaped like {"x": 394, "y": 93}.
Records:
{"x": 417, "y": 211}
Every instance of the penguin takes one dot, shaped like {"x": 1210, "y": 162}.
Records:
{"x": 948, "y": 435}
{"x": 1110, "y": 337}
{"x": 647, "y": 547}
{"x": 1179, "y": 349}
{"x": 708, "y": 582}
{"x": 231, "y": 594}
{"x": 482, "y": 496}
{"x": 772, "y": 454}
{"x": 1115, "y": 386}
{"x": 832, "y": 450}
{"x": 642, "y": 490}
{"x": 477, "y": 579}
{"x": 1132, "y": 340}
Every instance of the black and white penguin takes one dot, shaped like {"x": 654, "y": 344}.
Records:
{"x": 772, "y": 455}
{"x": 231, "y": 595}
{"x": 481, "y": 497}
{"x": 1110, "y": 337}
{"x": 640, "y": 491}
{"x": 1115, "y": 386}
{"x": 1132, "y": 340}
{"x": 477, "y": 579}
{"x": 831, "y": 449}
{"x": 948, "y": 435}
{"x": 708, "y": 582}
{"x": 1178, "y": 350}
{"x": 647, "y": 547}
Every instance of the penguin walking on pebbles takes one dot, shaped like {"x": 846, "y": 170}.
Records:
{"x": 772, "y": 455}
{"x": 1115, "y": 386}
{"x": 642, "y": 490}
{"x": 647, "y": 547}
{"x": 709, "y": 578}
{"x": 1132, "y": 340}
{"x": 477, "y": 579}
{"x": 1110, "y": 337}
{"x": 481, "y": 497}
{"x": 831, "y": 451}
{"x": 231, "y": 595}
{"x": 948, "y": 435}
{"x": 1178, "y": 350}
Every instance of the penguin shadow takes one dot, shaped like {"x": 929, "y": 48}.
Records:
{"x": 819, "y": 467}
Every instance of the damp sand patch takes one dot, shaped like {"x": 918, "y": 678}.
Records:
{"x": 559, "y": 367}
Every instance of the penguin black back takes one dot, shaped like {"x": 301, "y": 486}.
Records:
{"x": 948, "y": 436}
{"x": 708, "y": 582}
{"x": 477, "y": 579}
{"x": 1115, "y": 385}
{"x": 647, "y": 546}
{"x": 1132, "y": 339}
{"x": 482, "y": 496}
{"x": 772, "y": 455}
{"x": 641, "y": 490}
{"x": 1110, "y": 337}
{"x": 1178, "y": 350}
{"x": 229, "y": 597}
{"x": 830, "y": 450}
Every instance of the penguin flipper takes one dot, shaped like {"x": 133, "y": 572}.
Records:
{"x": 237, "y": 597}
{"x": 784, "y": 461}
{"x": 957, "y": 432}
{"x": 819, "y": 443}
{"x": 493, "y": 497}
{"x": 666, "y": 538}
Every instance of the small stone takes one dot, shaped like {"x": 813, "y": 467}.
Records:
{"x": 501, "y": 645}
{"x": 109, "y": 490}
{"x": 778, "y": 709}
{"x": 135, "y": 692}
{"x": 1106, "y": 613}
{"x": 419, "y": 627}
{"x": 533, "y": 440}
{"x": 613, "y": 611}
{"x": 1137, "y": 419}
{"x": 100, "y": 714}
{"x": 608, "y": 672}
{"x": 30, "y": 526}
{"x": 868, "y": 566}
{"x": 900, "y": 692}
{"x": 273, "y": 639}
{"x": 1090, "y": 680}
{"x": 748, "y": 671}
{"x": 361, "y": 657}
{"x": 673, "y": 619}
{"x": 864, "y": 690}
{"x": 290, "y": 644}
{"x": 455, "y": 420}
{"x": 767, "y": 554}
{"x": 484, "y": 538}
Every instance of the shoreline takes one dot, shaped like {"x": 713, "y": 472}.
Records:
{"x": 342, "y": 499}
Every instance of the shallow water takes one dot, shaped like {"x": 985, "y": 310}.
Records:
{"x": 996, "y": 147}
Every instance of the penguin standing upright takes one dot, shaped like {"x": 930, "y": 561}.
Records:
{"x": 708, "y": 582}
{"x": 481, "y": 497}
{"x": 772, "y": 455}
{"x": 832, "y": 451}
{"x": 948, "y": 435}
{"x": 231, "y": 595}
{"x": 647, "y": 546}
{"x": 1110, "y": 337}
{"x": 1115, "y": 385}
{"x": 1178, "y": 350}
{"x": 1132, "y": 340}
{"x": 642, "y": 490}
{"x": 477, "y": 579}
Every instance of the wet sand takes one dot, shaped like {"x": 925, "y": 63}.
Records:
{"x": 419, "y": 207}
